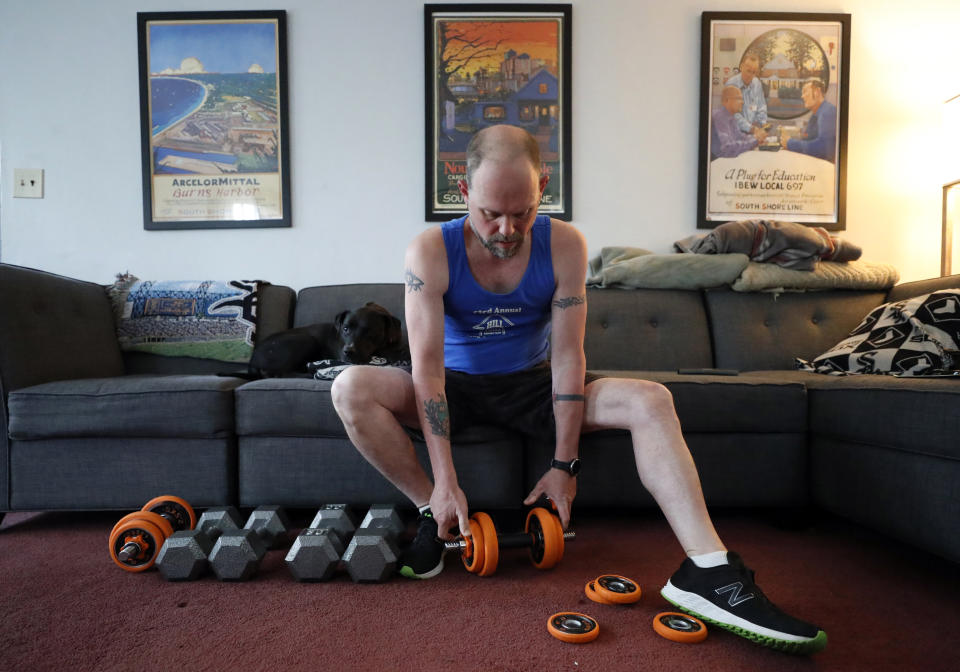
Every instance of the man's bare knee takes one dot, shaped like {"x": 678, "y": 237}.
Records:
{"x": 627, "y": 404}
{"x": 653, "y": 399}
{"x": 349, "y": 393}
{"x": 358, "y": 392}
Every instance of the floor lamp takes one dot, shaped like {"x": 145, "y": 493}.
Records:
{"x": 950, "y": 240}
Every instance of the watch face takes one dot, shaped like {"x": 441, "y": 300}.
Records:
{"x": 574, "y": 468}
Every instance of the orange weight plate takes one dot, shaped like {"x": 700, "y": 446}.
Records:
{"x": 570, "y": 626}
{"x": 591, "y": 592}
{"x": 618, "y": 589}
{"x": 491, "y": 548}
{"x": 177, "y": 510}
{"x": 472, "y": 556}
{"x": 146, "y": 539}
{"x": 162, "y": 523}
{"x": 679, "y": 627}
{"x": 542, "y": 523}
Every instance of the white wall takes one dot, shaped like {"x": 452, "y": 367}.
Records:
{"x": 69, "y": 104}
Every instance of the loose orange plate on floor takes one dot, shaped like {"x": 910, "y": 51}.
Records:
{"x": 679, "y": 627}
{"x": 617, "y": 589}
{"x": 570, "y": 626}
{"x": 591, "y": 591}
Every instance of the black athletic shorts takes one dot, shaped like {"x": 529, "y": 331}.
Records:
{"x": 521, "y": 401}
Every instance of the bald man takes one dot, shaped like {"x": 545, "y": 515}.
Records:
{"x": 504, "y": 258}
{"x": 726, "y": 138}
{"x": 820, "y": 136}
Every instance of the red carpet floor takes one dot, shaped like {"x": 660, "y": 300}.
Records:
{"x": 66, "y": 606}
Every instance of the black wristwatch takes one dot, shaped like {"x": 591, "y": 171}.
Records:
{"x": 572, "y": 467}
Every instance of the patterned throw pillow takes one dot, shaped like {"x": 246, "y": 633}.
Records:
{"x": 207, "y": 319}
{"x": 913, "y": 337}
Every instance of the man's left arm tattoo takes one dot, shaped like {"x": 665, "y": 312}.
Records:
{"x": 438, "y": 415}
{"x": 567, "y": 397}
{"x": 568, "y": 301}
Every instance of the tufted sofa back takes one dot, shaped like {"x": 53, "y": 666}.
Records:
{"x": 646, "y": 330}
{"x": 766, "y": 331}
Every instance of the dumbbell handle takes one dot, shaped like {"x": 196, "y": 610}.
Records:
{"x": 129, "y": 550}
{"x": 520, "y": 540}
{"x": 525, "y": 539}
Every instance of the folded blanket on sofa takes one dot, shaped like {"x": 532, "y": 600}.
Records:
{"x": 634, "y": 268}
{"x": 862, "y": 275}
{"x": 207, "y": 319}
{"x": 786, "y": 244}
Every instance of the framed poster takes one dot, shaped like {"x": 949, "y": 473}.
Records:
{"x": 496, "y": 64}
{"x": 213, "y": 119}
{"x": 773, "y": 118}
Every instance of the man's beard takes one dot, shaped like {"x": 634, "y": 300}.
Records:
{"x": 500, "y": 252}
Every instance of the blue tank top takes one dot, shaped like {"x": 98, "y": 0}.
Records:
{"x": 486, "y": 332}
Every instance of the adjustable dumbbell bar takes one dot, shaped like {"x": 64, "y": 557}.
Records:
{"x": 543, "y": 537}
{"x": 515, "y": 540}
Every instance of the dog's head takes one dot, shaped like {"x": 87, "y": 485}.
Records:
{"x": 366, "y": 331}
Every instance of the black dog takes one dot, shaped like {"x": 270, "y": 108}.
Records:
{"x": 354, "y": 336}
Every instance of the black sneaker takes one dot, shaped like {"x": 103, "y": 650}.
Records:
{"x": 423, "y": 558}
{"x": 726, "y": 596}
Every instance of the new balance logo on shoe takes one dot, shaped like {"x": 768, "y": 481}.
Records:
{"x": 735, "y": 590}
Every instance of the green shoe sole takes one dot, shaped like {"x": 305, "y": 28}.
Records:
{"x": 818, "y": 643}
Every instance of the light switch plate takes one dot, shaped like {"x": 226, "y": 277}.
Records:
{"x": 27, "y": 183}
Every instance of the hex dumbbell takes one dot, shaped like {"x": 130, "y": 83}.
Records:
{"x": 218, "y": 519}
{"x": 316, "y": 552}
{"x": 543, "y": 536}
{"x": 136, "y": 539}
{"x": 185, "y": 555}
{"x": 236, "y": 554}
{"x": 270, "y": 524}
{"x": 372, "y": 555}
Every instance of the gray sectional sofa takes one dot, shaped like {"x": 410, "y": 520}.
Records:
{"x": 86, "y": 426}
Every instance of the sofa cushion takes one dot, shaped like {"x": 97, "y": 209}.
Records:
{"x": 735, "y": 469}
{"x": 302, "y": 407}
{"x": 760, "y": 331}
{"x": 293, "y": 450}
{"x": 321, "y": 304}
{"x": 287, "y": 407}
{"x": 127, "y": 406}
{"x": 99, "y": 472}
{"x": 651, "y": 329}
{"x": 764, "y": 403}
{"x": 910, "y": 495}
{"x": 916, "y": 415}
{"x": 53, "y": 328}
{"x": 306, "y": 472}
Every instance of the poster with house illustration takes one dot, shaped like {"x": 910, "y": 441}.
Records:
{"x": 773, "y": 118}
{"x": 486, "y": 68}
